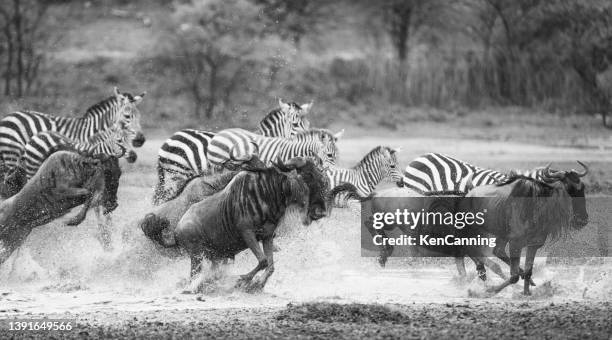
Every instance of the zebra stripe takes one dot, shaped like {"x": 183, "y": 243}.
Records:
{"x": 183, "y": 155}
{"x": 286, "y": 121}
{"x": 111, "y": 143}
{"x": 438, "y": 172}
{"x": 235, "y": 146}
{"x": 17, "y": 128}
{"x": 378, "y": 164}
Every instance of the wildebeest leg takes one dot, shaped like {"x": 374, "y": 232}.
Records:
{"x": 268, "y": 247}
{"x": 249, "y": 238}
{"x": 515, "y": 260}
{"x": 196, "y": 264}
{"x": 529, "y": 257}
{"x": 494, "y": 267}
{"x": 103, "y": 228}
{"x": 500, "y": 252}
{"x": 385, "y": 250}
{"x": 80, "y": 217}
{"x": 460, "y": 266}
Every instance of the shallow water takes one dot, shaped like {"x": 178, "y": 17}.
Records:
{"x": 62, "y": 269}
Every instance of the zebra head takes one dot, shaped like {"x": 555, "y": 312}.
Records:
{"x": 295, "y": 115}
{"x": 328, "y": 152}
{"x": 391, "y": 165}
{"x": 129, "y": 115}
{"x": 115, "y": 142}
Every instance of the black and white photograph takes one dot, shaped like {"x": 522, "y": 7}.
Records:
{"x": 297, "y": 169}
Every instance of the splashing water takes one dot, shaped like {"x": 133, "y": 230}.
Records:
{"x": 66, "y": 268}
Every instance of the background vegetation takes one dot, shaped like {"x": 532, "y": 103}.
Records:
{"x": 216, "y": 63}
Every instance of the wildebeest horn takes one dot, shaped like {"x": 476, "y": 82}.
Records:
{"x": 296, "y": 163}
{"x": 547, "y": 173}
{"x": 582, "y": 174}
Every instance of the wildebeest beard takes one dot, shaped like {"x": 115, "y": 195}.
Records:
{"x": 549, "y": 205}
{"x": 314, "y": 186}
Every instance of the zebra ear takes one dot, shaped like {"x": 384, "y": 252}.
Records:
{"x": 339, "y": 134}
{"x": 116, "y": 91}
{"x": 284, "y": 106}
{"x": 396, "y": 150}
{"x": 306, "y": 107}
{"x": 138, "y": 98}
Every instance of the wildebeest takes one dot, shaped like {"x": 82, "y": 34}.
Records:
{"x": 411, "y": 200}
{"x": 523, "y": 212}
{"x": 247, "y": 211}
{"x": 159, "y": 224}
{"x": 65, "y": 180}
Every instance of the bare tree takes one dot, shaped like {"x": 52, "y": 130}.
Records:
{"x": 214, "y": 41}
{"x": 22, "y": 43}
{"x": 294, "y": 19}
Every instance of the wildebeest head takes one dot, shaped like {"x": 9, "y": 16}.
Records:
{"x": 575, "y": 188}
{"x": 308, "y": 187}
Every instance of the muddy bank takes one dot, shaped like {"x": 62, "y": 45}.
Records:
{"x": 469, "y": 319}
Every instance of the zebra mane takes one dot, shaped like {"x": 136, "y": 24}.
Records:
{"x": 314, "y": 133}
{"x": 102, "y": 105}
{"x": 376, "y": 152}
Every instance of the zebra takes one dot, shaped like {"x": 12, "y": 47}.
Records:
{"x": 286, "y": 121}
{"x": 380, "y": 163}
{"x": 115, "y": 142}
{"x": 183, "y": 155}
{"x": 234, "y": 147}
{"x": 437, "y": 172}
{"x": 17, "y": 128}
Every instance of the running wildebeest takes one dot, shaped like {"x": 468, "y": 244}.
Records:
{"x": 523, "y": 212}
{"x": 65, "y": 180}
{"x": 247, "y": 211}
{"x": 412, "y": 200}
{"x": 159, "y": 224}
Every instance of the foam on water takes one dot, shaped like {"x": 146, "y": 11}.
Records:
{"x": 65, "y": 268}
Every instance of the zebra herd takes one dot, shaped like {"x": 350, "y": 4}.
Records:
{"x": 111, "y": 128}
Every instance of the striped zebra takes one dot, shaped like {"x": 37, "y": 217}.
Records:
{"x": 234, "y": 147}
{"x": 115, "y": 142}
{"x": 17, "y": 128}
{"x": 286, "y": 121}
{"x": 438, "y": 172}
{"x": 183, "y": 155}
{"x": 378, "y": 164}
